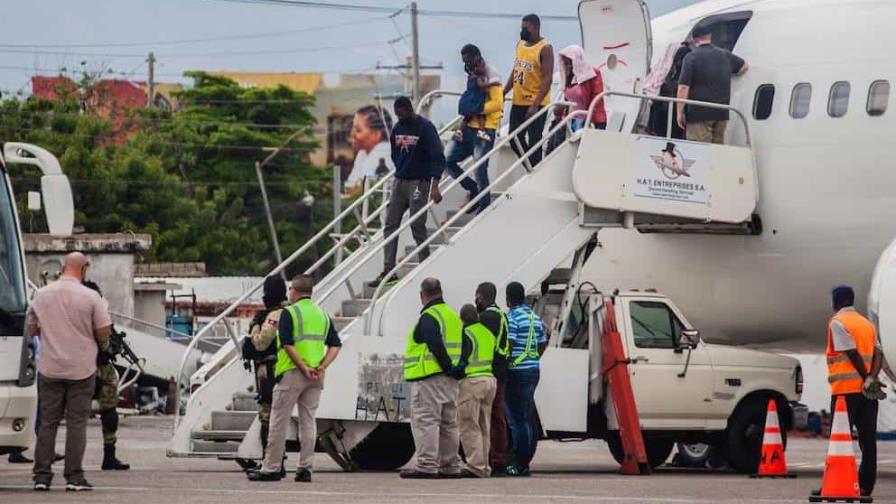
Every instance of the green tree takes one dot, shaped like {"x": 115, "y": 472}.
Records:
{"x": 186, "y": 176}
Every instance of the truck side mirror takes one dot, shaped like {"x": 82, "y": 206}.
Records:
{"x": 690, "y": 338}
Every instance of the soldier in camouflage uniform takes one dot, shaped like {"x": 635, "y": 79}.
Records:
{"x": 107, "y": 396}
{"x": 261, "y": 348}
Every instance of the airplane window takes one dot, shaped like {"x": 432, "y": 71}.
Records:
{"x": 838, "y": 101}
{"x": 878, "y": 97}
{"x": 799, "y": 100}
{"x": 762, "y": 103}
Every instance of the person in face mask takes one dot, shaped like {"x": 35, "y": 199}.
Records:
{"x": 533, "y": 73}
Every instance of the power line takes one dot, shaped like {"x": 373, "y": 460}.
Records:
{"x": 151, "y": 120}
{"x": 200, "y": 55}
{"x": 145, "y": 182}
{"x": 397, "y": 10}
{"x": 170, "y": 143}
{"x": 206, "y": 39}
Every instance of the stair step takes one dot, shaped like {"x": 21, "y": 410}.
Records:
{"x": 441, "y": 238}
{"x": 341, "y": 323}
{"x": 559, "y": 276}
{"x": 370, "y": 291}
{"x": 232, "y": 420}
{"x": 354, "y": 307}
{"x": 222, "y": 447}
{"x": 410, "y": 248}
{"x": 244, "y": 401}
{"x": 218, "y": 435}
{"x": 463, "y": 220}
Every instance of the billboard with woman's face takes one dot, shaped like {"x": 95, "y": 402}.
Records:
{"x": 371, "y": 127}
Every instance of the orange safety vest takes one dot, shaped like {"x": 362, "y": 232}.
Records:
{"x": 842, "y": 375}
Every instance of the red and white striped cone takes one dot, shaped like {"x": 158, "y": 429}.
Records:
{"x": 772, "y": 463}
{"x": 841, "y": 475}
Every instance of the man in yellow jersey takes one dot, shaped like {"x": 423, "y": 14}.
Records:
{"x": 854, "y": 361}
{"x": 432, "y": 365}
{"x": 307, "y": 344}
{"x": 533, "y": 73}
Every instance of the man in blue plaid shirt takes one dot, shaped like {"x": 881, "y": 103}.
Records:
{"x": 527, "y": 343}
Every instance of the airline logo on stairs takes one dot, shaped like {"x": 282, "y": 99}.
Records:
{"x": 672, "y": 171}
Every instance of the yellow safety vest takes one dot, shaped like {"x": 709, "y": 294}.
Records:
{"x": 483, "y": 343}
{"x": 310, "y": 326}
{"x": 419, "y": 362}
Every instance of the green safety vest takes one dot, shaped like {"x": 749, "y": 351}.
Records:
{"x": 531, "y": 350}
{"x": 483, "y": 342}
{"x": 419, "y": 362}
{"x": 502, "y": 349}
{"x": 310, "y": 326}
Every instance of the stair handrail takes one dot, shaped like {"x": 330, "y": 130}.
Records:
{"x": 454, "y": 182}
{"x": 149, "y": 324}
{"x": 322, "y": 234}
{"x": 674, "y": 99}
{"x": 432, "y": 95}
{"x": 347, "y": 237}
{"x": 473, "y": 201}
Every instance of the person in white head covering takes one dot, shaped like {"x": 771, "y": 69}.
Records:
{"x": 581, "y": 83}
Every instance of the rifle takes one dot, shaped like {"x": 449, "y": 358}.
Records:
{"x": 118, "y": 346}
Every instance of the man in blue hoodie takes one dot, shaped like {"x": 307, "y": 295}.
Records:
{"x": 419, "y": 160}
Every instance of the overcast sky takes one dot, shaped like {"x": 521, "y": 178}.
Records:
{"x": 117, "y": 34}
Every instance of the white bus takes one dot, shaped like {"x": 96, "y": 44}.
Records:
{"x": 18, "y": 391}
{"x": 18, "y": 371}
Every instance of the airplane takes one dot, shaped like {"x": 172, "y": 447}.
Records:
{"x": 817, "y": 94}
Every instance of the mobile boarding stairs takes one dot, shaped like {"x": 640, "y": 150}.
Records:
{"x": 540, "y": 227}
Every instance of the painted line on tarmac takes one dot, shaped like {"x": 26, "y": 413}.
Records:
{"x": 417, "y": 495}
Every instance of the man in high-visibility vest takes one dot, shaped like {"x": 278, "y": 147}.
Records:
{"x": 494, "y": 318}
{"x": 307, "y": 344}
{"x": 527, "y": 343}
{"x": 432, "y": 365}
{"x": 477, "y": 393}
{"x": 854, "y": 361}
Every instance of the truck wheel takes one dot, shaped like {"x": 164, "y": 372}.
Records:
{"x": 658, "y": 449}
{"x": 388, "y": 447}
{"x": 692, "y": 455}
{"x": 743, "y": 437}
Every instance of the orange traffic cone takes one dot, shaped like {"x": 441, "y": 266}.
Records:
{"x": 772, "y": 463}
{"x": 841, "y": 476}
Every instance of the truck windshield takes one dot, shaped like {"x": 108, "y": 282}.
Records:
{"x": 12, "y": 277}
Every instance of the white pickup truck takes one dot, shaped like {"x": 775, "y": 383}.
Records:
{"x": 687, "y": 391}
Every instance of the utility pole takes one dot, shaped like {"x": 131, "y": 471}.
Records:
{"x": 259, "y": 165}
{"x": 151, "y": 82}
{"x": 415, "y": 53}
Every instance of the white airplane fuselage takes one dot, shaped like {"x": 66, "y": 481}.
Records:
{"x": 827, "y": 184}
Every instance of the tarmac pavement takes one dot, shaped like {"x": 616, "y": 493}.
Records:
{"x": 562, "y": 472}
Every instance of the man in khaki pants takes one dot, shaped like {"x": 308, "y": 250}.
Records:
{"x": 431, "y": 365}
{"x": 307, "y": 344}
{"x": 477, "y": 393}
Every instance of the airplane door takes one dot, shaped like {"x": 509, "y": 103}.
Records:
{"x": 664, "y": 398}
{"x": 617, "y": 39}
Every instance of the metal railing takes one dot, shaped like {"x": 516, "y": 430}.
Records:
{"x": 748, "y": 136}
{"x": 671, "y": 99}
{"x": 522, "y": 161}
{"x": 361, "y": 228}
{"x": 453, "y": 182}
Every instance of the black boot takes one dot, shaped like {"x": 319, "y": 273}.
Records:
{"x": 110, "y": 463}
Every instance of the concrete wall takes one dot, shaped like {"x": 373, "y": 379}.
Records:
{"x": 111, "y": 257}
{"x": 149, "y": 306}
